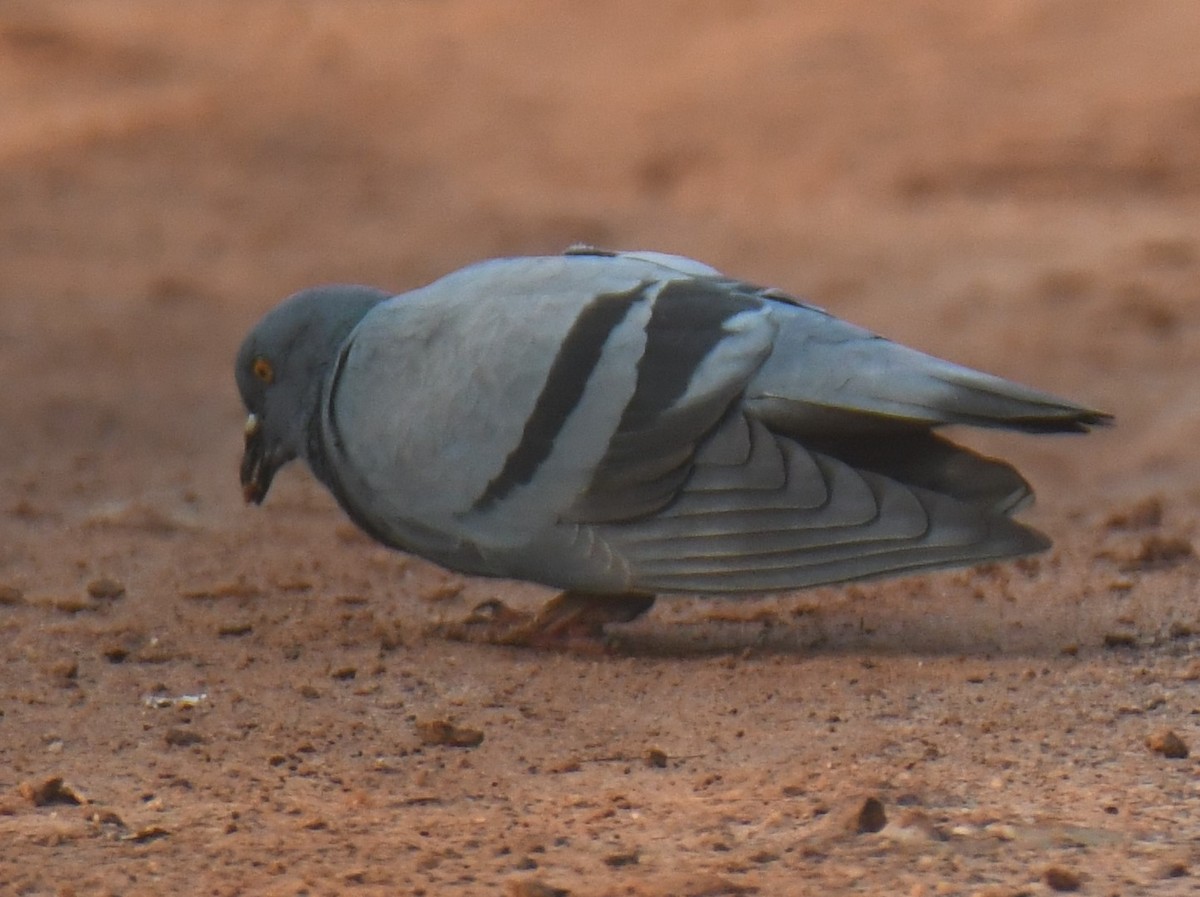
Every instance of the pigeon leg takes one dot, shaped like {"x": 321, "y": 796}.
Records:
{"x": 572, "y": 621}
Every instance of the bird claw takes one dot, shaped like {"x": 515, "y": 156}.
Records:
{"x": 571, "y": 622}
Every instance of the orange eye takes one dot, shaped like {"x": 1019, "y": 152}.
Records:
{"x": 262, "y": 370}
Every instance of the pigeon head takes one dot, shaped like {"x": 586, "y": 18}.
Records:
{"x": 281, "y": 369}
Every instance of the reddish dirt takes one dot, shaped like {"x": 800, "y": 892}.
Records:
{"x": 1012, "y": 185}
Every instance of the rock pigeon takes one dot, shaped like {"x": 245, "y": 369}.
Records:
{"x": 619, "y": 425}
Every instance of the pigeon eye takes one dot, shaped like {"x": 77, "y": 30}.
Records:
{"x": 263, "y": 370}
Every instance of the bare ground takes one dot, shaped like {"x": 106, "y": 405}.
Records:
{"x": 247, "y": 701}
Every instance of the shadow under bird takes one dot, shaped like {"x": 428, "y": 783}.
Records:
{"x": 619, "y": 425}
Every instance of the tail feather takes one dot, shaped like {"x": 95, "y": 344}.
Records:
{"x": 984, "y": 400}
{"x": 927, "y": 461}
{"x": 786, "y": 515}
{"x": 824, "y": 374}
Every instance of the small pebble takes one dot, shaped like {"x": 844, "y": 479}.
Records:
{"x": 1159, "y": 552}
{"x": 105, "y": 589}
{"x": 66, "y": 669}
{"x": 531, "y": 887}
{"x": 871, "y": 817}
{"x": 1144, "y": 514}
{"x": 864, "y": 816}
{"x": 1059, "y": 879}
{"x": 1176, "y": 868}
{"x": 1190, "y": 673}
{"x": 1168, "y": 744}
{"x": 146, "y": 834}
{"x": 1180, "y": 630}
{"x": 1001, "y": 830}
{"x": 656, "y": 758}
{"x": 71, "y": 604}
{"x": 443, "y": 732}
{"x": 115, "y": 653}
{"x": 51, "y": 791}
{"x": 177, "y": 737}
{"x": 1120, "y": 640}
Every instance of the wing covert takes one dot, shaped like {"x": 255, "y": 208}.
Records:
{"x": 704, "y": 342}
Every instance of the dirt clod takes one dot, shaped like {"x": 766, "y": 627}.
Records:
{"x": 1120, "y": 640}
{"x": 71, "y": 604}
{"x": 1167, "y": 743}
{"x": 1058, "y": 878}
{"x": 177, "y": 736}
{"x": 870, "y": 817}
{"x": 656, "y": 758}
{"x": 235, "y": 589}
{"x": 444, "y": 732}
{"x": 146, "y": 834}
{"x": 1144, "y": 514}
{"x": 532, "y": 887}
{"x": 1159, "y": 552}
{"x": 66, "y": 669}
{"x": 53, "y": 790}
{"x": 1173, "y": 868}
{"x": 105, "y": 589}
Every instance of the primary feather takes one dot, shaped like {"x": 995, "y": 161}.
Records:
{"x": 614, "y": 423}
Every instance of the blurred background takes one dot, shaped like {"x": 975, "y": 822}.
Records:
{"x": 1014, "y": 185}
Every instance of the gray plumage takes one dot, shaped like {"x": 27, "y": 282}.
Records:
{"x": 634, "y": 423}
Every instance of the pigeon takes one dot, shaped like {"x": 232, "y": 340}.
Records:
{"x": 623, "y": 424}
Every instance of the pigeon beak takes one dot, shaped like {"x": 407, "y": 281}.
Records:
{"x": 257, "y": 469}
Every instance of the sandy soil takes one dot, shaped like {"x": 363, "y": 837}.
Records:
{"x": 247, "y": 701}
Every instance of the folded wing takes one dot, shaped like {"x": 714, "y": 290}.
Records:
{"x": 820, "y": 464}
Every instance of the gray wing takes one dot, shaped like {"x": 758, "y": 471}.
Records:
{"x": 761, "y": 512}
{"x": 827, "y": 376}
{"x": 822, "y": 468}
{"x": 703, "y": 343}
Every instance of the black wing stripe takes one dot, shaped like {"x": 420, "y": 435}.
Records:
{"x": 569, "y": 374}
{"x": 686, "y": 324}
{"x": 649, "y": 456}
